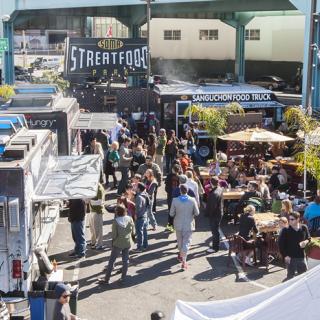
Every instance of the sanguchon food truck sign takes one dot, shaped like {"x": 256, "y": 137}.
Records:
{"x": 231, "y": 97}
{"x": 105, "y": 57}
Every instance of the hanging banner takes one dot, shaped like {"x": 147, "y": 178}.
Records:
{"x": 105, "y": 57}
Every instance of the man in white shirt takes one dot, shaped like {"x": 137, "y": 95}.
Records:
{"x": 115, "y": 130}
{"x": 192, "y": 185}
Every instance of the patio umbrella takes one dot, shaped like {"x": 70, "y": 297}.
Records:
{"x": 255, "y": 135}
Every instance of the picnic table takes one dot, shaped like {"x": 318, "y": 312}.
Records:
{"x": 233, "y": 194}
{"x": 267, "y": 222}
{"x": 204, "y": 173}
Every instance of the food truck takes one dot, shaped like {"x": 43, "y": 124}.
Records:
{"x": 34, "y": 182}
{"x": 174, "y": 98}
{"x": 44, "y": 107}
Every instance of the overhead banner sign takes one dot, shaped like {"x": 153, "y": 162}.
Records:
{"x": 233, "y": 97}
{"x": 105, "y": 57}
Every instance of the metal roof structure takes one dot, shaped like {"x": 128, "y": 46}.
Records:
{"x": 132, "y": 13}
{"x": 72, "y": 177}
{"x": 95, "y": 121}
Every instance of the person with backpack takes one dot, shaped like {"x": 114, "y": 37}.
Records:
{"x": 123, "y": 233}
{"x": 142, "y": 203}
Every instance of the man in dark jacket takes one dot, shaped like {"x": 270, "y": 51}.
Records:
{"x": 291, "y": 243}
{"x": 77, "y": 212}
{"x": 142, "y": 203}
{"x": 214, "y": 211}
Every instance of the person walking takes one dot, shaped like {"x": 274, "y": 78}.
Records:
{"x": 96, "y": 219}
{"x": 160, "y": 149}
{"x": 171, "y": 183}
{"x": 142, "y": 204}
{"x": 123, "y": 233}
{"x": 214, "y": 211}
{"x": 183, "y": 209}
{"x": 151, "y": 188}
{"x": 171, "y": 150}
{"x": 191, "y": 184}
{"x": 77, "y": 214}
{"x": 156, "y": 172}
{"x": 112, "y": 164}
{"x": 151, "y": 145}
{"x": 124, "y": 165}
{"x": 292, "y": 242}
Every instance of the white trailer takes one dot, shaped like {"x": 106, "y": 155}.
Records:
{"x": 33, "y": 182}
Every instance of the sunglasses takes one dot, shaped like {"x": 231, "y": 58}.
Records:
{"x": 292, "y": 219}
{"x": 65, "y": 296}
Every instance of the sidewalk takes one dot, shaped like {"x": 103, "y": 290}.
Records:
{"x": 156, "y": 281}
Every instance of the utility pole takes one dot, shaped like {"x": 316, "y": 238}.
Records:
{"x": 310, "y": 58}
{"x": 148, "y": 55}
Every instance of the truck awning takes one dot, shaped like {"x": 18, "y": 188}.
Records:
{"x": 72, "y": 177}
{"x": 94, "y": 120}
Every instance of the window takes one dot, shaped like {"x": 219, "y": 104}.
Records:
{"x": 172, "y": 34}
{"x": 209, "y": 34}
{"x": 252, "y": 34}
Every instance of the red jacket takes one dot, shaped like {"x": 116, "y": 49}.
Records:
{"x": 185, "y": 162}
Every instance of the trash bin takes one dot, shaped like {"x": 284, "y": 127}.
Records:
{"x": 74, "y": 290}
{"x": 50, "y": 298}
{"x": 36, "y": 300}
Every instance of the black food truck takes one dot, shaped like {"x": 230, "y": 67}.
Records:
{"x": 173, "y": 99}
{"x": 44, "y": 107}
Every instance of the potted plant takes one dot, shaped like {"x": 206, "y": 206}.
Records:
{"x": 215, "y": 119}
{"x": 6, "y": 92}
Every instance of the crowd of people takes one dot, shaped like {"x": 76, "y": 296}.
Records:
{"x": 144, "y": 164}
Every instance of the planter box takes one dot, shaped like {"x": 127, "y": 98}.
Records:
{"x": 314, "y": 253}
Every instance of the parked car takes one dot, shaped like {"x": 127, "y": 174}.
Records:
{"x": 50, "y": 63}
{"x": 36, "y": 64}
{"x": 270, "y": 82}
{"x": 20, "y": 71}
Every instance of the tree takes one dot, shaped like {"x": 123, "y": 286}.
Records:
{"x": 53, "y": 77}
{"x": 308, "y": 154}
{"x": 215, "y": 119}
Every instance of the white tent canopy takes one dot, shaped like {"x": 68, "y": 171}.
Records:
{"x": 298, "y": 298}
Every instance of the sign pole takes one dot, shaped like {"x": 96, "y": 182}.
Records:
{"x": 2, "y": 66}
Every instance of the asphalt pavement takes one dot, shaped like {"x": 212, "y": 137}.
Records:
{"x": 155, "y": 281}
